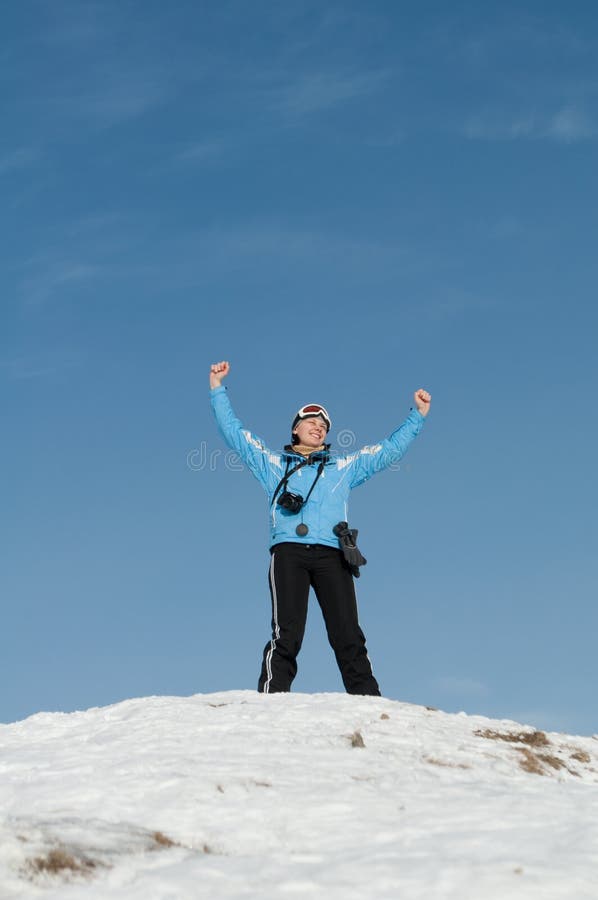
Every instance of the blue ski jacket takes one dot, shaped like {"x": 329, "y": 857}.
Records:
{"x": 327, "y": 504}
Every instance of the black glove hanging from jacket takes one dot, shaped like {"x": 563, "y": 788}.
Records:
{"x": 348, "y": 540}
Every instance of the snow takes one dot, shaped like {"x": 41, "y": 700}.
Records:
{"x": 242, "y": 795}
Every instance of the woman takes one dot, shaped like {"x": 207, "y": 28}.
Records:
{"x": 308, "y": 489}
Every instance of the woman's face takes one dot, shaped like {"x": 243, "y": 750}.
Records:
{"x": 311, "y": 432}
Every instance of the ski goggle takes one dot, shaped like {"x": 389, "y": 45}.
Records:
{"x": 310, "y": 410}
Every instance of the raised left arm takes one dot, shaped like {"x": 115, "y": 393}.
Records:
{"x": 371, "y": 459}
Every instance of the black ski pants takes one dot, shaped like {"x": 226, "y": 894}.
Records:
{"x": 294, "y": 567}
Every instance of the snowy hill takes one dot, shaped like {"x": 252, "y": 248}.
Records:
{"x": 240, "y": 795}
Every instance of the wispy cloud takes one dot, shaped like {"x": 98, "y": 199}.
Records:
{"x": 319, "y": 91}
{"x": 387, "y": 141}
{"x": 201, "y": 152}
{"x": 49, "y": 277}
{"x": 132, "y": 257}
{"x": 268, "y": 256}
{"x": 453, "y": 303}
{"x": 261, "y": 250}
{"x": 39, "y": 365}
{"x": 484, "y": 127}
{"x": 74, "y": 23}
{"x": 20, "y": 158}
{"x": 110, "y": 97}
{"x": 570, "y": 124}
{"x": 75, "y": 256}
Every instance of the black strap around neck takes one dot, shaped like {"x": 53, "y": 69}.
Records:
{"x": 313, "y": 484}
{"x": 286, "y": 476}
{"x": 288, "y": 473}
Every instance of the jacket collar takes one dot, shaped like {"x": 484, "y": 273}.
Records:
{"x": 316, "y": 456}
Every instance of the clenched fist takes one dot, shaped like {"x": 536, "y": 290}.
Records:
{"x": 422, "y": 400}
{"x": 217, "y": 372}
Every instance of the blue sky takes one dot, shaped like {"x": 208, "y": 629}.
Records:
{"x": 348, "y": 202}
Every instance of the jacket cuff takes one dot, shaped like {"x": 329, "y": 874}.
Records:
{"x": 416, "y": 416}
{"x": 217, "y": 390}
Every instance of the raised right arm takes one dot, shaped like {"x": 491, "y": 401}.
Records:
{"x": 254, "y": 453}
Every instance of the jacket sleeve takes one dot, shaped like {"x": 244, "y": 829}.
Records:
{"x": 369, "y": 460}
{"x": 254, "y": 453}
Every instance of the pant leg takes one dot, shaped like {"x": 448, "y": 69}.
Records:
{"x": 288, "y": 578}
{"x": 335, "y": 590}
